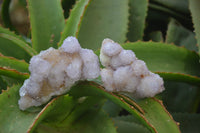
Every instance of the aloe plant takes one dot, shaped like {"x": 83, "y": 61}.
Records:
{"x": 162, "y": 33}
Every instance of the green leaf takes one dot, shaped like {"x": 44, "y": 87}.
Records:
{"x": 195, "y": 10}
{"x": 137, "y": 19}
{"x": 7, "y": 31}
{"x": 12, "y": 63}
{"x": 65, "y": 114}
{"x": 104, "y": 19}
{"x": 5, "y": 14}
{"x": 129, "y": 127}
{"x": 47, "y": 22}
{"x": 13, "y": 74}
{"x": 188, "y": 122}
{"x": 169, "y": 12}
{"x": 176, "y": 5}
{"x": 55, "y": 111}
{"x": 92, "y": 89}
{"x": 92, "y": 121}
{"x": 15, "y": 47}
{"x": 155, "y": 36}
{"x": 13, "y": 120}
{"x": 158, "y": 116}
{"x": 180, "y": 36}
{"x": 73, "y": 23}
{"x": 176, "y": 97}
{"x": 111, "y": 108}
{"x": 170, "y": 61}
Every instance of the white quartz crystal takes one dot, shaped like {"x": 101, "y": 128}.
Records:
{"x": 70, "y": 45}
{"x": 90, "y": 64}
{"x": 123, "y": 72}
{"x": 110, "y": 48}
{"x": 54, "y": 71}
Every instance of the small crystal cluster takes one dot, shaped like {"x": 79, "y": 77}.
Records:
{"x": 54, "y": 71}
{"x": 123, "y": 72}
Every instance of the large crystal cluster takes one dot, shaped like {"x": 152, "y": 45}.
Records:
{"x": 123, "y": 72}
{"x": 54, "y": 71}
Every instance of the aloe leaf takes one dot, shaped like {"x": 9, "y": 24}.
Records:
{"x": 156, "y": 36}
{"x": 55, "y": 111}
{"x": 12, "y": 63}
{"x": 177, "y": 5}
{"x": 111, "y": 108}
{"x": 5, "y": 14}
{"x": 129, "y": 127}
{"x": 10, "y": 113}
{"x": 12, "y": 73}
{"x": 46, "y": 24}
{"x": 104, "y": 19}
{"x": 92, "y": 121}
{"x": 195, "y": 10}
{"x": 137, "y": 19}
{"x": 92, "y": 89}
{"x": 168, "y": 11}
{"x": 188, "y": 122}
{"x": 176, "y": 97}
{"x": 7, "y": 31}
{"x": 65, "y": 114}
{"x": 20, "y": 43}
{"x": 73, "y": 23}
{"x": 156, "y": 114}
{"x": 15, "y": 47}
{"x": 180, "y": 36}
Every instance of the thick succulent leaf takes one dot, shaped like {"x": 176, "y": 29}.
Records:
{"x": 189, "y": 123}
{"x": 170, "y": 61}
{"x": 111, "y": 108}
{"x": 127, "y": 118}
{"x": 169, "y": 12}
{"x": 92, "y": 121}
{"x": 73, "y": 23}
{"x": 176, "y": 97}
{"x": 12, "y": 73}
{"x": 7, "y": 31}
{"x": 46, "y": 24}
{"x": 155, "y": 36}
{"x": 137, "y": 19}
{"x": 177, "y": 5}
{"x": 156, "y": 114}
{"x": 15, "y": 47}
{"x": 13, "y": 68}
{"x": 66, "y": 114}
{"x": 104, "y": 19}
{"x": 180, "y": 36}
{"x": 12, "y": 63}
{"x": 167, "y": 122}
{"x": 55, "y": 111}
{"x": 129, "y": 127}
{"x": 13, "y": 120}
{"x": 195, "y": 10}
{"x": 5, "y": 14}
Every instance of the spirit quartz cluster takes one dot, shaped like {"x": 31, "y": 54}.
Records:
{"x": 54, "y": 71}
{"x": 123, "y": 72}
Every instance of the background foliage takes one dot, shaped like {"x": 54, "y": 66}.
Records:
{"x": 163, "y": 33}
